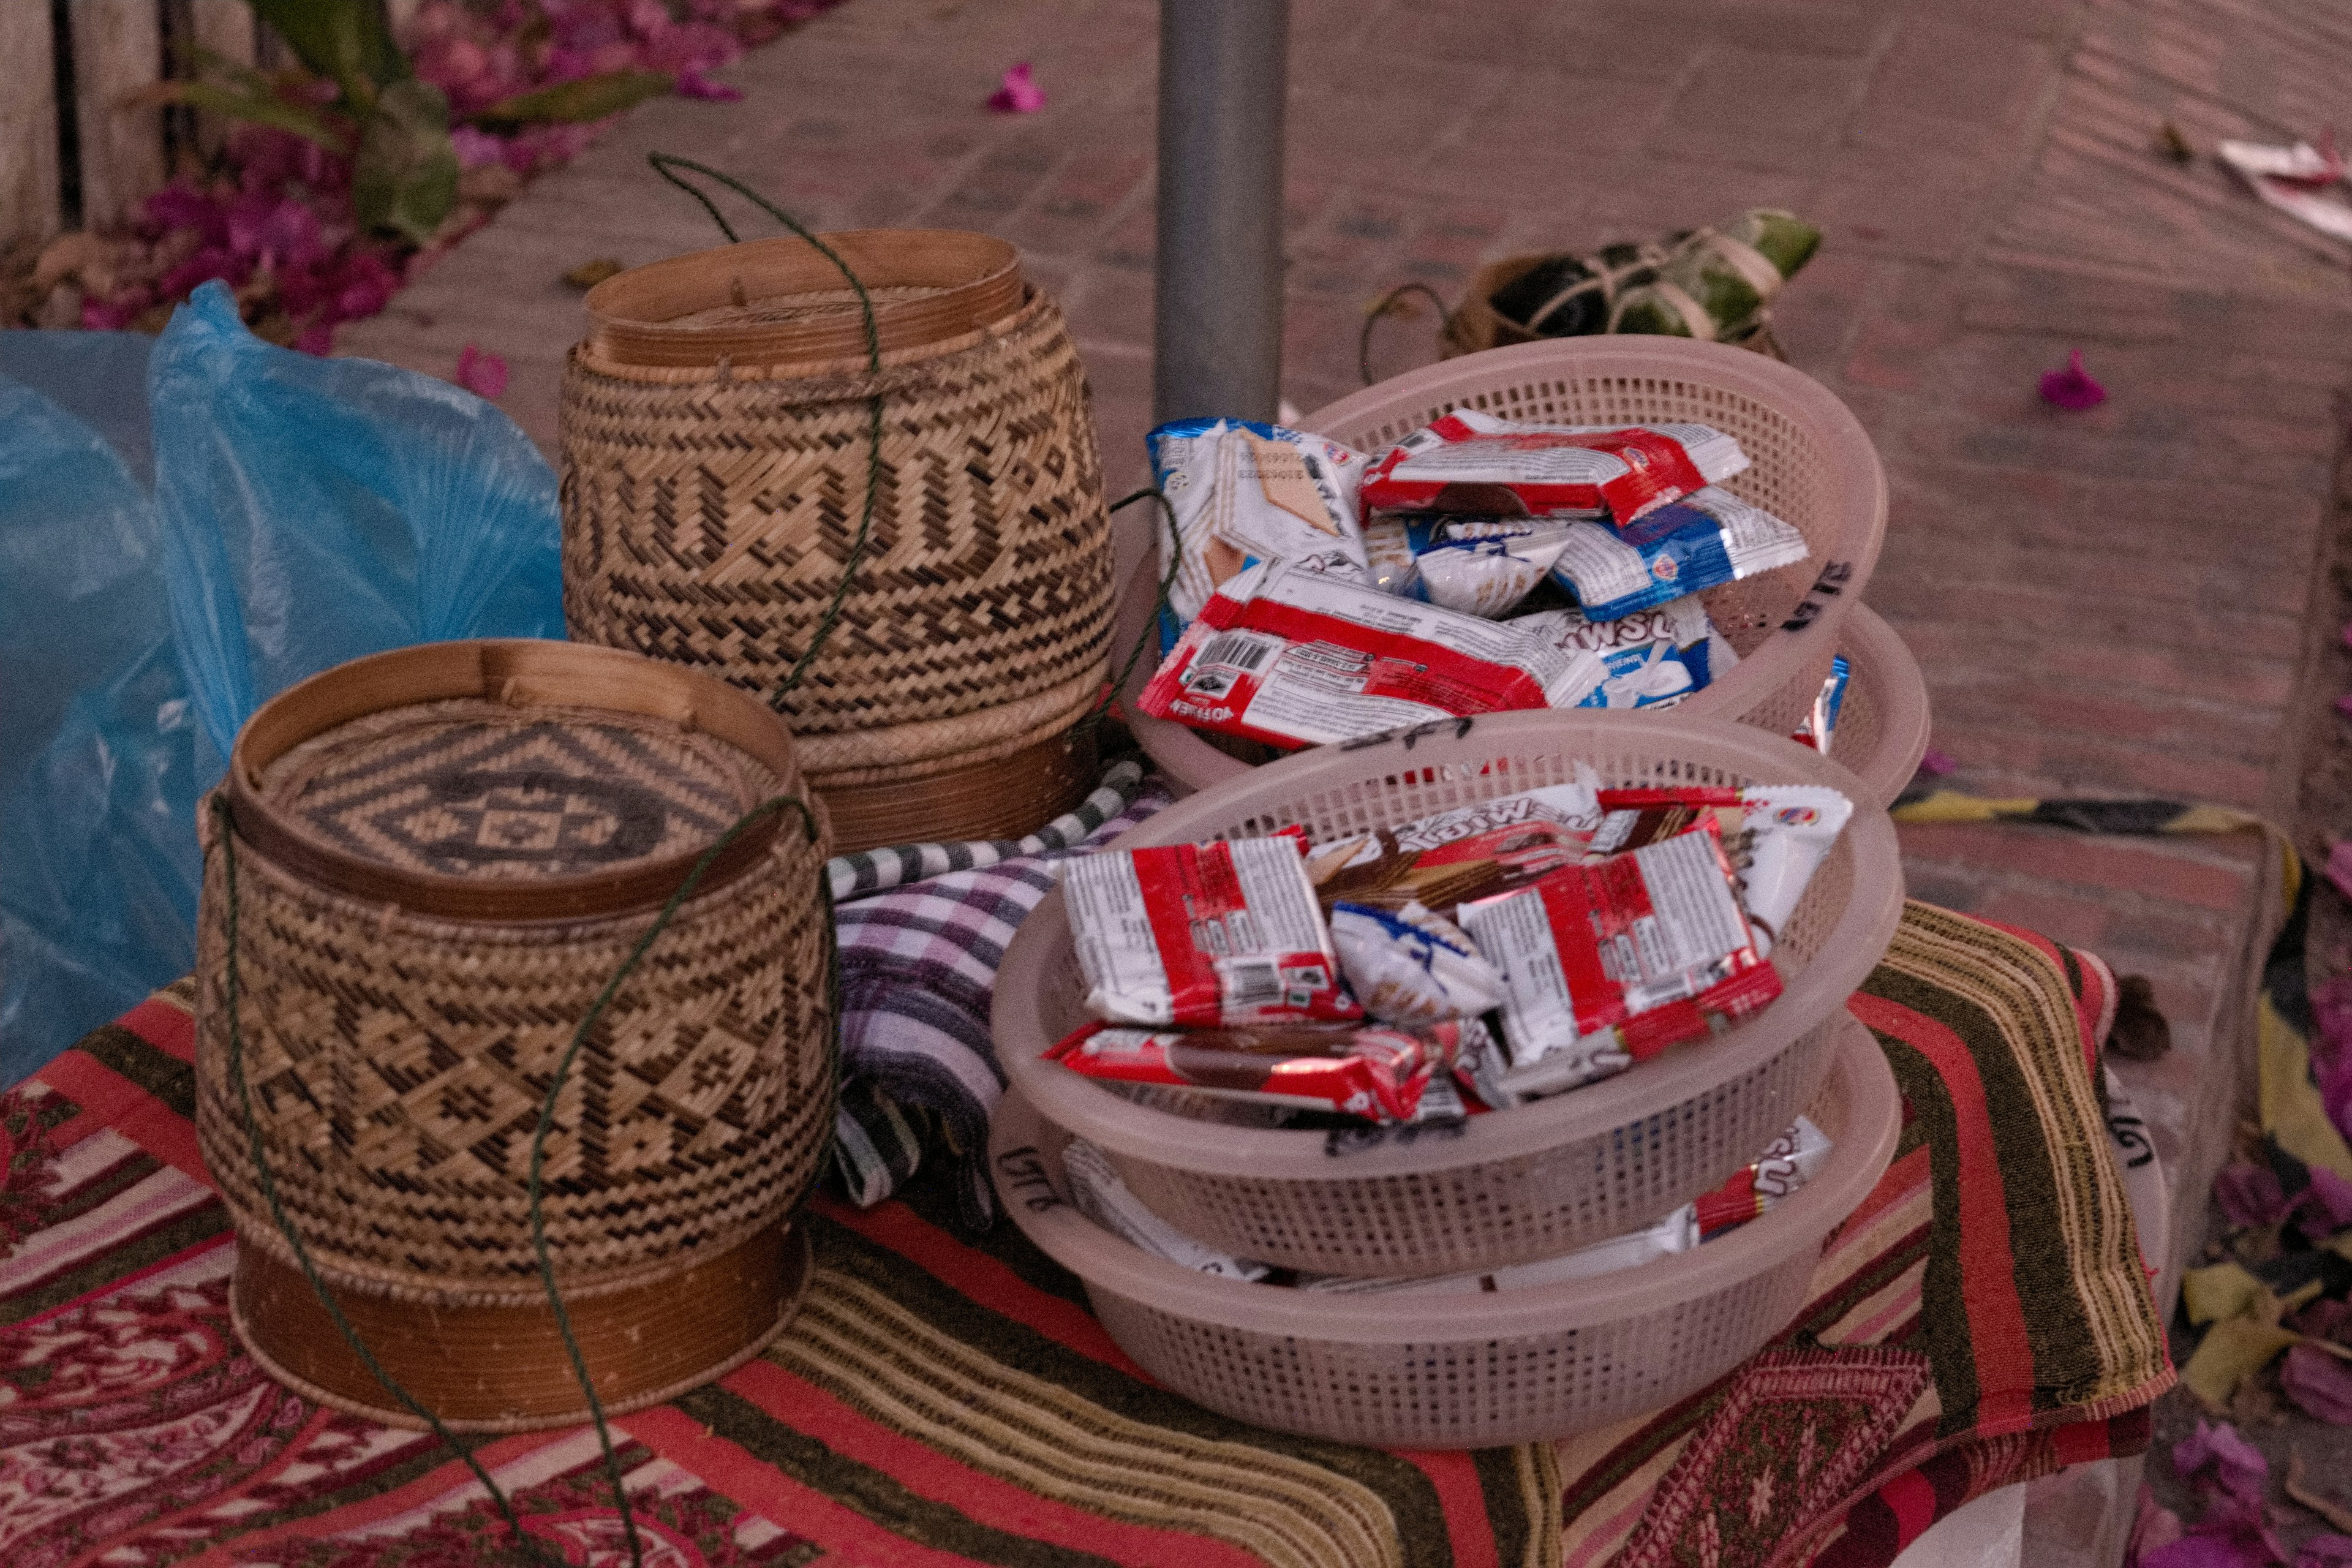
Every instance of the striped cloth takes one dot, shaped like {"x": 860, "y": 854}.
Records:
{"x": 918, "y": 971}
{"x": 864, "y": 872}
{"x": 943, "y": 1401}
{"x": 1983, "y": 1317}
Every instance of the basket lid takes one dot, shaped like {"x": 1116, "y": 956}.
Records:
{"x": 507, "y": 780}
{"x": 779, "y": 302}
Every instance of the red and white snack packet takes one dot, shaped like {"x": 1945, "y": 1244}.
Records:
{"x": 1371, "y": 1071}
{"x": 1297, "y": 659}
{"x": 1196, "y": 935}
{"x": 1615, "y": 959}
{"x": 1475, "y": 463}
{"x": 1778, "y": 836}
{"x": 1787, "y": 1162}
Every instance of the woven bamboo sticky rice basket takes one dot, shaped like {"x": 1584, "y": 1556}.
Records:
{"x": 1518, "y": 1184}
{"x": 716, "y": 456}
{"x": 1464, "y": 1371}
{"x": 1811, "y": 465}
{"x": 443, "y": 855}
{"x": 1882, "y": 728}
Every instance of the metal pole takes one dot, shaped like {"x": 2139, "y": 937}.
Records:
{"x": 1216, "y": 338}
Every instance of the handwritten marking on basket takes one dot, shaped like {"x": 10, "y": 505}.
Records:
{"x": 1342, "y": 1140}
{"x": 665, "y": 164}
{"x": 1023, "y": 1168}
{"x": 1410, "y": 735}
{"x": 230, "y": 988}
{"x": 1832, "y": 582}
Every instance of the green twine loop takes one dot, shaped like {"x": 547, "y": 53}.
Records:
{"x": 409, "y": 1402}
{"x": 1379, "y": 308}
{"x": 1159, "y": 603}
{"x": 286, "y": 1225}
{"x": 664, "y": 164}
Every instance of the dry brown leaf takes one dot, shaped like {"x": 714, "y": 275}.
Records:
{"x": 65, "y": 256}
{"x": 2335, "y": 1513}
{"x": 590, "y": 273}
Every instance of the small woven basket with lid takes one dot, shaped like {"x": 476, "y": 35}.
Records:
{"x": 443, "y": 855}
{"x": 716, "y": 453}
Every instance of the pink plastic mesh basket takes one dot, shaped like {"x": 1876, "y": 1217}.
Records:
{"x": 1812, "y": 465}
{"x": 1469, "y": 1370}
{"x": 1532, "y": 1181}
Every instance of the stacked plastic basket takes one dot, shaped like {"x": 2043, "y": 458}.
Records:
{"x": 1544, "y": 1178}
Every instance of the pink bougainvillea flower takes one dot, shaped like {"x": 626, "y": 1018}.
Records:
{"x": 2326, "y": 1205}
{"x": 318, "y": 338}
{"x": 2325, "y": 1551}
{"x": 2154, "y": 1527}
{"x": 2250, "y": 1195}
{"x": 2325, "y": 1319}
{"x": 1018, "y": 94}
{"x": 2339, "y": 861}
{"x": 484, "y": 375}
{"x": 2072, "y": 387}
{"x": 692, "y": 83}
{"x": 2320, "y": 1381}
{"x": 2237, "y": 1468}
{"x": 1936, "y": 763}
{"x": 477, "y": 148}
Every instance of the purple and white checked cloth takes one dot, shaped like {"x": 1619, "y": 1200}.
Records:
{"x": 918, "y": 970}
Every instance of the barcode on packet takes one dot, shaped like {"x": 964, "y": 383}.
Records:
{"x": 1252, "y": 985}
{"x": 1236, "y": 650}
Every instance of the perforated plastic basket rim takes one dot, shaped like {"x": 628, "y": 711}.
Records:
{"x": 1654, "y": 1087}
{"x": 1862, "y": 1150}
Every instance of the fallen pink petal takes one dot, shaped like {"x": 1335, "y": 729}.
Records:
{"x": 2319, "y": 1381}
{"x": 2154, "y": 1527}
{"x": 484, "y": 375}
{"x": 692, "y": 83}
{"x": 2072, "y": 387}
{"x": 1936, "y": 763}
{"x": 2208, "y": 1552}
{"x": 2239, "y": 1469}
{"x": 2248, "y": 1194}
{"x": 2328, "y": 1207}
{"x": 2325, "y": 1551}
{"x": 1018, "y": 95}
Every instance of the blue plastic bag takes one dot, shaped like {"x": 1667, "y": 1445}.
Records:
{"x": 305, "y": 511}
{"x": 98, "y": 751}
{"x": 316, "y": 510}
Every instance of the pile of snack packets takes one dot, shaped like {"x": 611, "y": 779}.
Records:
{"x": 1476, "y": 566}
{"x": 1449, "y": 968}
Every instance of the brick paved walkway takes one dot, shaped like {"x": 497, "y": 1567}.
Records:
{"x": 2104, "y": 603}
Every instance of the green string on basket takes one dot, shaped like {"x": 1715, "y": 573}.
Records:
{"x": 766, "y": 808}
{"x": 286, "y": 1227}
{"x": 232, "y": 984}
{"x": 1160, "y": 602}
{"x": 666, "y": 164}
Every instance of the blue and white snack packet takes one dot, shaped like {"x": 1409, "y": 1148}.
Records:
{"x": 1821, "y": 723}
{"x": 1411, "y": 967}
{"x": 1243, "y": 493}
{"x": 1654, "y": 658}
{"x": 1698, "y": 542}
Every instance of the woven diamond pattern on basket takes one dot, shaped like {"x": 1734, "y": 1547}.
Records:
{"x": 397, "y": 1065}
{"x": 478, "y": 789}
{"x": 707, "y": 519}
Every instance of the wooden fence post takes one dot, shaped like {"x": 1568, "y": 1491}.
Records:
{"x": 223, "y": 27}
{"x": 29, "y": 125}
{"x": 118, "y": 48}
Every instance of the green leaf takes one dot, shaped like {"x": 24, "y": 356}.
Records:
{"x": 258, "y": 108}
{"x": 405, "y": 176}
{"x": 590, "y": 98}
{"x": 345, "y": 41}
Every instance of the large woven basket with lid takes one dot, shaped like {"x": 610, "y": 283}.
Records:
{"x": 716, "y": 454}
{"x": 443, "y": 855}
